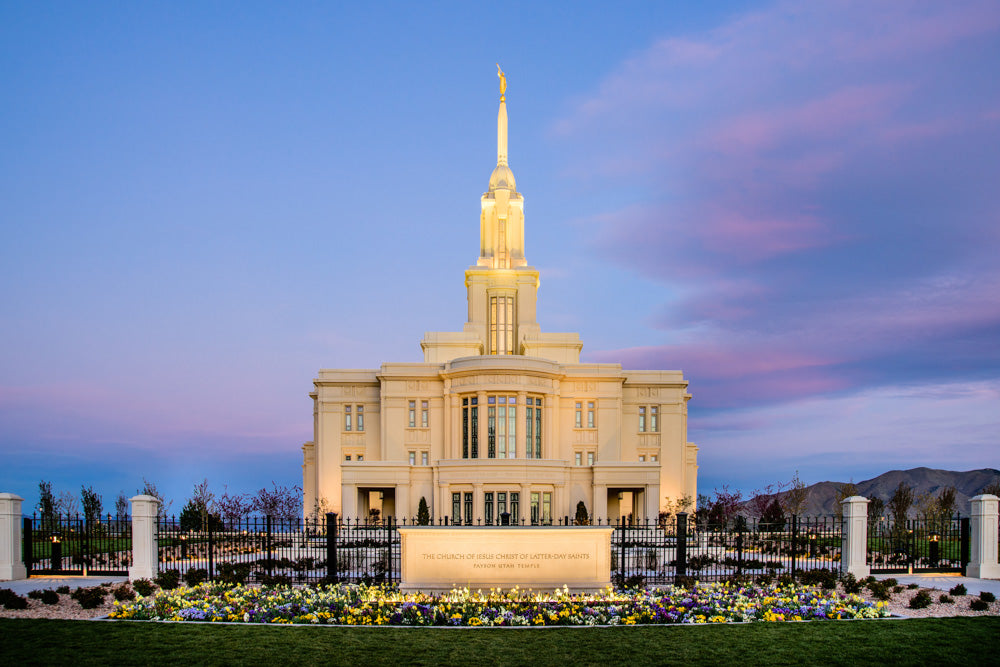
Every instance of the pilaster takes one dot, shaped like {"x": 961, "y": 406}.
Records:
{"x": 11, "y": 564}
{"x": 145, "y": 555}
{"x": 983, "y": 529}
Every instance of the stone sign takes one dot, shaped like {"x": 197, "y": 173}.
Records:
{"x": 439, "y": 558}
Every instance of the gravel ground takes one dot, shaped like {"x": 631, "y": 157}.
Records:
{"x": 68, "y": 608}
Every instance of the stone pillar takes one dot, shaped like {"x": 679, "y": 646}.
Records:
{"x": 520, "y": 432}
{"x": 477, "y": 504}
{"x": 854, "y": 548}
{"x": 403, "y": 509}
{"x": 349, "y": 502}
{"x": 600, "y": 503}
{"x": 983, "y": 563}
{"x": 444, "y": 507}
{"x": 145, "y": 555}
{"x": 484, "y": 427}
{"x": 11, "y": 564}
{"x": 550, "y": 444}
{"x": 525, "y": 507}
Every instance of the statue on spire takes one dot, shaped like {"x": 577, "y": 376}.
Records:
{"x": 503, "y": 82}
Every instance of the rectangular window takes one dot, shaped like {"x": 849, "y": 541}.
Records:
{"x": 501, "y": 503}
{"x": 642, "y": 419}
{"x": 642, "y": 459}
{"x": 423, "y": 458}
{"x": 491, "y": 431}
{"x": 468, "y": 509}
{"x": 412, "y": 414}
{"x": 534, "y": 508}
{"x": 347, "y": 418}
{"x": 654, "y": 424}
{"x": 456, "y": 508}
{"x": 360, "y": 410}
{"x": 423, "y": 414}
{"x": 578, "y": 423}
{"x": 515, "y": 508}
{"x": 529, "y": 430}
{"x": 501, "y": 325}
{"x": 511, "y": 431}
{"x": 361, "y": 457}
{"x": 590, "y": 414}
{"x": 653, "y": 458}
{"x": 413, "y": 458}
{"x": 488, "y": 507}
{"x": 347, "y": 457}
{"x": 474, "y": 429}
{"x": 538, "y": 429}
{"x": 547, "y": 508}
{"x": 590, "y": 458}
{"x": 579, "y": 458}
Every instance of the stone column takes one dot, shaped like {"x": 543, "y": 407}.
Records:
{"x": 403, "y": 509}
{"x": 525, "y": 505}
{"x": 145, "y": 555}
{"x": 455, "y": 426}
{"x": 477, "y": 503}
{"x": 854, "y": 548}
{"x": 349, "y": 502}
{"x": 11, "y": 564}
{"x": 444, "y": 493}
{"x": 484, "y": 427}
{"x": 521, "y": 427}
{"x": 600, "y": 503}
{"x": 550, "y": 444}
{"x": 983, "y": 563}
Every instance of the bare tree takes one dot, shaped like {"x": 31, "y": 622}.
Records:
{"x": 234, "y": 507}
{"x": 900, "y": 503}
{"x": 67, "y": 504}
{"x": 844, "y": 491}
{"x": 282, "y": 502}
{"x": 794, "y": 499}
{"x": 122, "y": 505}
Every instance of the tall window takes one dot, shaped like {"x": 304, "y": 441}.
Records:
{"x": 423, "y": 414}
{"x": 578, "y": 420}
{"x": 502, "y": 261}
{"x": 590, "y": 414}
{"x": 412, "y": 414}
{"x": 533, "y": 428}
{"x": 501, "y": 415}
{"x": 488, "y": 506}
{"x": 470, "y": 428}
{"x": 359, "y": 411}
{"x": 541, "y": 507}
{"x": 413, "y": 458}
{"x": 456, "y": 508}
{"x": 652, "y": 424}
{"x": 423, "y": 458}
{"x": 468, "y": 509}
{"x": 590, "y": 458}
{"x": 501, "y": 316}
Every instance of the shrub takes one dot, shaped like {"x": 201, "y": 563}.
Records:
{"x": 979, "y": 605}
{"x": 959, "y": 590}
{"x": 195, "y": 576}
{"x": 36, "y": 594}
{"x": 685, "y": 582}
{"x": 233, "y": 574}
{"x": 12, "y": 600}
{"x": 944, "y": 599}
{"x": 89, "y": 598}
{"x": 143, "y": 587}
{"x": 123, "y": 592}
{"x": 168, "y": 579}
{"x": 49, "y": 596}
{"x": 825, "y": 578}
{"x": 986, "y": 596}
{"x": 851, "y": 583}
{"x": 879, "y": 590}
{"x": 913, "y": 587}
{"x": 275, "y": 580}
{"x": 897, "y": 589}
{"x": 63, "y": 590}
{"x": 921, "y": 600}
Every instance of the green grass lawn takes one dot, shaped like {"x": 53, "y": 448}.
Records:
{"x": 964, "y": 641}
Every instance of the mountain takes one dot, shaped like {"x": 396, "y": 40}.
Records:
{"x": 821, "y": 498}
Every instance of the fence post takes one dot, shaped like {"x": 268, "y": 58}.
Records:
{"x": 11, "y": 563}
{"x": 388, "y": 566}
{"x": 270, "y": 556}
{"x": 682, "y": 539}
{"x": 739, "y": 551}
{"x": 331, "y": 546}
{"x": 795, "y": 541}
{"x": 854, "y": 546}
{"x": 211, "y": 550}
{"x": 983, "y": 562}
{"x": 28, "y": 550}
{"x": 144, "y": 552}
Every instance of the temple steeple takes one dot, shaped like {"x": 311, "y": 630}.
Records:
{"x": 502, "y": 220}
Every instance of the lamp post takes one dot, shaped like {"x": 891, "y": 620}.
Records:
{"x": 935, "y": 548}
{"x": 56, "y": 553}
{"x": 812, "y": 543}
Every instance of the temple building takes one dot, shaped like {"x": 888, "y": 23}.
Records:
{"x": 500, "y": 419}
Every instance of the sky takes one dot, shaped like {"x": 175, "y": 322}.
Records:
{"x": 202, "y": 204}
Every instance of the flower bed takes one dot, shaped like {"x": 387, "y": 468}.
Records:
{"x": 376, "y": 605}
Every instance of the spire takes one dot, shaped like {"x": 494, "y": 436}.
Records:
{"x": 502, "y": 120}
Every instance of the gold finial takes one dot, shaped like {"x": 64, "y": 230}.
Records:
{"x": 503, "y": 82}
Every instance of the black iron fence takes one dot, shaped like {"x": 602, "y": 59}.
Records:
{"x": 70, "y": 544}
{"x": 273, "y": 550}
{"x": 918, "y": 545}
{"x": 331, "y": 548}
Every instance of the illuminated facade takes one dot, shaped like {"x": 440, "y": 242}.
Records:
{"x": 499, "y": 418}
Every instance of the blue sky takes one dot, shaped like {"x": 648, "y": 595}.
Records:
{"x": 796, "y": 204}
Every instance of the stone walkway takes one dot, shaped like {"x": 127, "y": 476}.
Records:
{"x": 25, "y": 586}
{"x": 945, "y": 582}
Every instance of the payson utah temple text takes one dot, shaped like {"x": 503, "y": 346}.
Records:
{"x": 500, "y": 418}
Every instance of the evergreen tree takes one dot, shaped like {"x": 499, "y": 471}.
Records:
{"x": 582, "y": 517}
{"x": 92, "y": 503}
{"x": 46, "y": 501}
{"x": 423, "y": 513}
{"x": 773, "y": 519}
